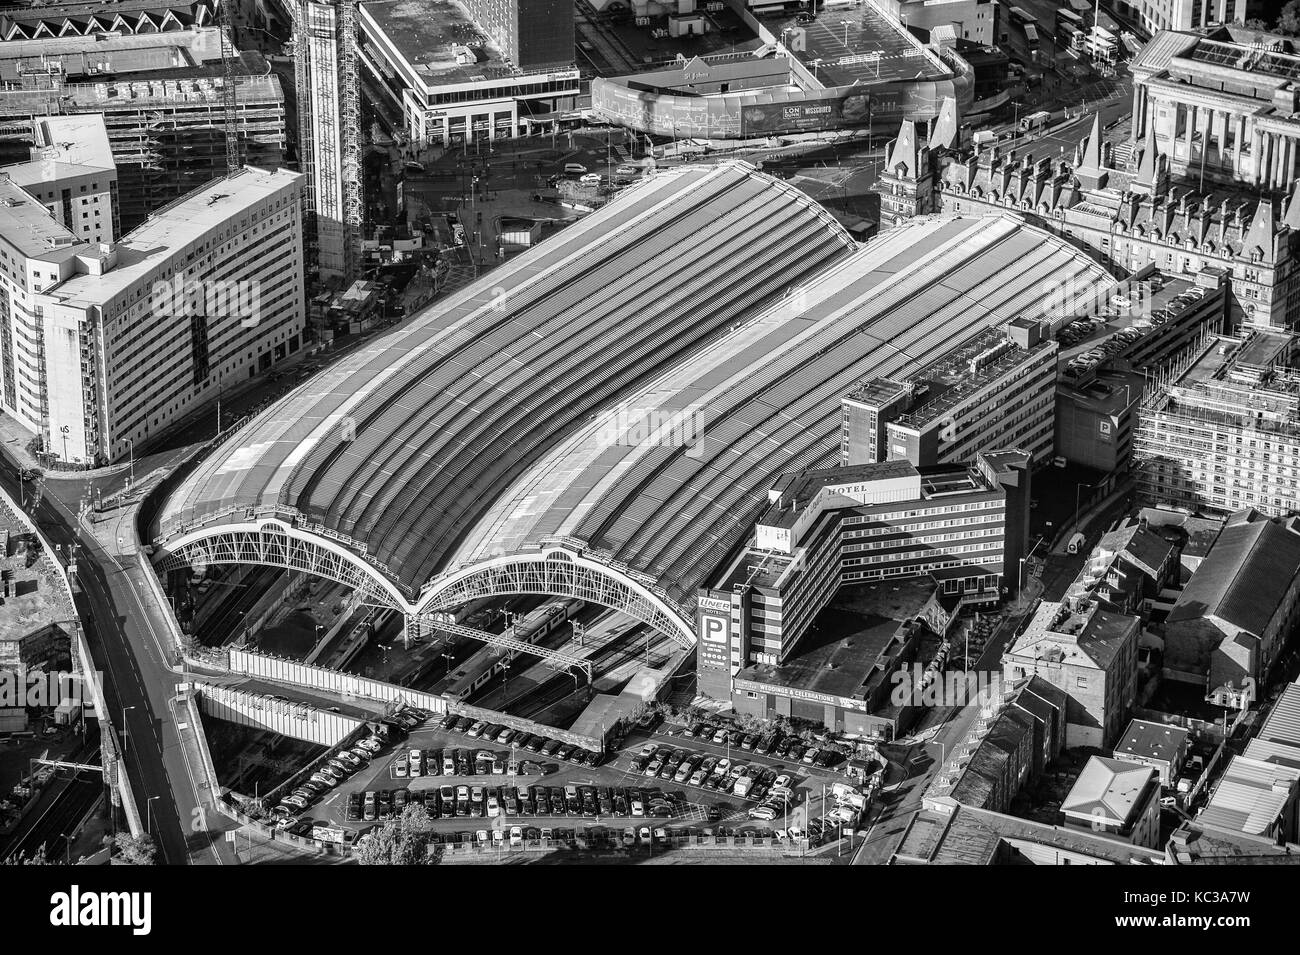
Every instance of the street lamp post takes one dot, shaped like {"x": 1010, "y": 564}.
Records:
{"x": 126, "y": 732}
{"x": 1078, "y": 489}
{"x": 148, "y": 808}
{"x": 130, "y": 447}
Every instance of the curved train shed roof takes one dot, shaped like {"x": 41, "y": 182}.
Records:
{"x": 669, "y": 482}
{"x": 400, "y": 447}
{"x": 630, "y": 389}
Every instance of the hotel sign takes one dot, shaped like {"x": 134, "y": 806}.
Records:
{"x": 714, "y": 604}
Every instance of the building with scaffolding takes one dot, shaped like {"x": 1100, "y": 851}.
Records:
{"x": 1221, "y": 431}
{"x": 329, "y": 124}
{"x": 107, "y": 344}
{"x": 166, "y": 129}
{"x": 156, "y": 72}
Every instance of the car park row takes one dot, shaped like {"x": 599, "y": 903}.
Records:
{"x": 462, "y": 801}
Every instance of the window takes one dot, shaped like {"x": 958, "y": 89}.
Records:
{"x": 1081, "y": 682}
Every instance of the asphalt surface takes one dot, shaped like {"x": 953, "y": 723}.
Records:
{"x": 138, "y": 685}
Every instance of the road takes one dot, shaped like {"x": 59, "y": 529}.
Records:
{"x": 138, "y": 685}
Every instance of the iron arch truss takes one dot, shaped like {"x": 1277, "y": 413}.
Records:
{"x": 558, "y": 572}
{"x": 273, "y": 543}
{"x": 554, "y": 572}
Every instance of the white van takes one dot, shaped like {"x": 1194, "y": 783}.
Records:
{"x": 575, "y": 168}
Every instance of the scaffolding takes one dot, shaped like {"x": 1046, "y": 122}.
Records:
{"x": 329, "y": 123}
{"x": 229, "y": 94}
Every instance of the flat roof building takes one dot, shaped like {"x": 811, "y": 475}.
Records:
{"x": 995, "y": 390}
{"x": 453, "y": 78}
{"x": 861, "y": 69}
{"x": 1159, "y": 745}
{"x": 73, "y": 174}
{"x": 844, "y": 675}
{"x": 136, "y": 335}
{"x": 962, "y": 528}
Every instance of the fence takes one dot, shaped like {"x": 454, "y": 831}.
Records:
{"x": 350, "y": 687}
{"x": 285, "y": 717}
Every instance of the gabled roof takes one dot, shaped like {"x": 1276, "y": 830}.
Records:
{"x": 1245, "y": 577}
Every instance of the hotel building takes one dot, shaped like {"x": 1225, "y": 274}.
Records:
{"x": 106, "y": 344}
{"x": 963, "y": 527}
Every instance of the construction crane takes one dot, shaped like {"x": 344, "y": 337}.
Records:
{"x": 229, "y": 96}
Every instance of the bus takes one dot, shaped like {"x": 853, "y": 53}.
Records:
{"x": 1066, "y": 19}
{"x": 1031, "y": 39}
{"x": 1035, "y": 120}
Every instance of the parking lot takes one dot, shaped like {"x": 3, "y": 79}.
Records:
{"x": 525, "y": 791}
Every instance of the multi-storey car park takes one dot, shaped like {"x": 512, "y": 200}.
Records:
{"x": 501, "y": 443}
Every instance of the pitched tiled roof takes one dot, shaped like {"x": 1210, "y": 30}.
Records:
{"x": 1245, "y": 577}
{"x": 1109, "y": 788}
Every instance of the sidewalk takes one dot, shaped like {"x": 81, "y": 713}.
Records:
{"x": 15, "y": 437}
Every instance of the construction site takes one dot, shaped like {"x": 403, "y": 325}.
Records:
{"x": 191, "y": 92}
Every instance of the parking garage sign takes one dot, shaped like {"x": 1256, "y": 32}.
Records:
{"x": 713, "y": 627}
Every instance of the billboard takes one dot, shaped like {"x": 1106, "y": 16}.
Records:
{"x": 808, "y": 114}
{"x": 752, "y": 114}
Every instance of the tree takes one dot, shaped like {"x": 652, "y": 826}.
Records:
{"x": 134, "y": 850}
{"x": 36, "y": 858}
{"x": 1255, "y": 23}
{"x": 1289, "y": 21}
{"x": 401, "y": 841}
